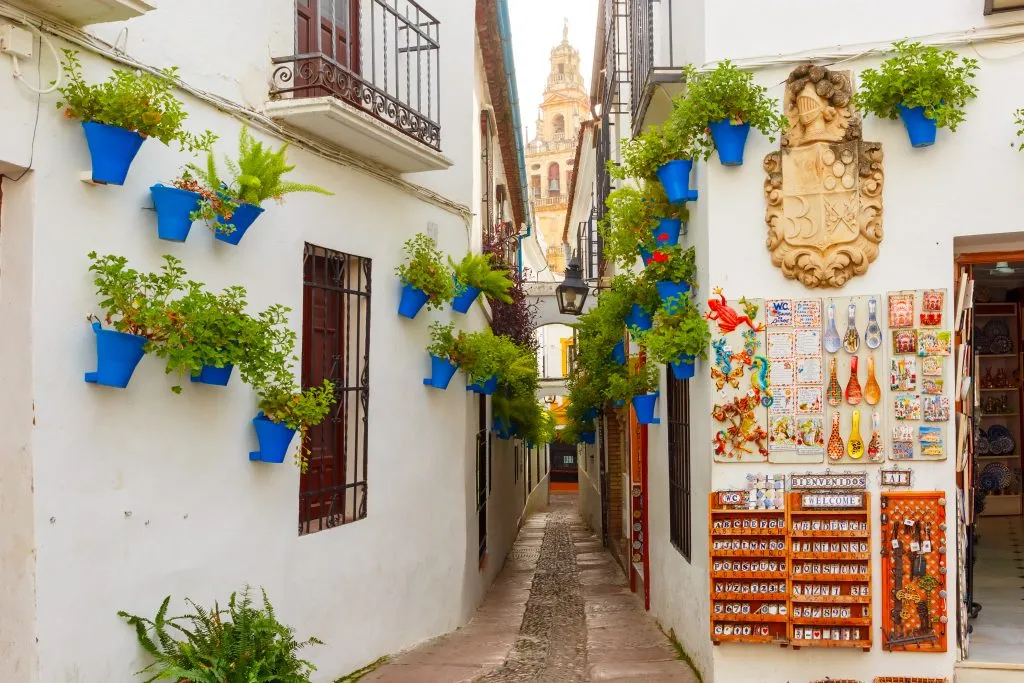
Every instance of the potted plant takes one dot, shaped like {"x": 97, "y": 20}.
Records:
{"x": 136, "y": 306}
{"x": 285, "y": 410}
{"x": 120, "y": 113}
{"x": 725, "y": 102}
{"x": 643, "y": 299}
{"x": 639, "y": 385}
{"x": 680, "y": 334}
{"x": 442, "y": 349}
{"x": 480, "y": 357}
{"x": 926, "y": 87}
{"x": 641, "y": 219}
{"x": 673, "y": 270}
{"x": 660, "y": 153}
{"x": 184, "y": 201}
{"x": 244, "y": 642}
{"x": 477, "y": 273}
{"x": 256, "y": 176}
{"x": 425, "y": 280}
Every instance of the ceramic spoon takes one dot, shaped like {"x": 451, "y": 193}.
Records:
{"x": 855, "y": 446}
{"x": 873, "y": 333}
{"x": 834, "y": 394}
{"x": 853, "y": 393}
{"x": 875, "y": 445}
{"x": 851, "y": 340}
{"x": 832, "y": 340}
{"x": 835, "y": 441}
{"x": 872, "y": 392}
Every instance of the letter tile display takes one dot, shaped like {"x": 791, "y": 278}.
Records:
{"x": 740, "y": 372}
{"x": 796, "y": 415}
{"x": 855, "y": 372}
{"x": 919, "y": 346}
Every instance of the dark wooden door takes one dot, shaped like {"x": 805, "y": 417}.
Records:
{"x": 329, "y": 28}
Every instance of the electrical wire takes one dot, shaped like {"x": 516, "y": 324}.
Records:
{"x": 16, "y": 63}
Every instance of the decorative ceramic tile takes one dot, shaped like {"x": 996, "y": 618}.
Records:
{"x": 794, "y": 339}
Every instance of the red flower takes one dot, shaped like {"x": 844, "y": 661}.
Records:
{"x": 662, "y": 237}
{"x": 659, "y": 257}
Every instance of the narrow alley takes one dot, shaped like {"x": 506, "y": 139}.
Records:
{"x": 560, "y": 612}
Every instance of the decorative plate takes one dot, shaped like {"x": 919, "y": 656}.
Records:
{"x": 1001, "y": 344}
{"x": 997, "y": 328}
{"x": 997, "y": 472}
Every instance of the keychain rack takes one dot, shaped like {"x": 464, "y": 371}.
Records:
{"x": 914, "y": 547}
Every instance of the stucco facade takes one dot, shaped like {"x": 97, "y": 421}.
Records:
{"x": 112, "y": 499}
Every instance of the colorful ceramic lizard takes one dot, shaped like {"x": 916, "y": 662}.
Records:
{"x": 726, "y": 316}
{"x": 723, "y": 359}
{"x": 760, "y": 380}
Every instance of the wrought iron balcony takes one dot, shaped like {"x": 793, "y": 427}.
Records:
{"x": 656, "y": 56}
{"x": 367, "y": 59}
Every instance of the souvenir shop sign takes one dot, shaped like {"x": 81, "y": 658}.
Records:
{"x": 831, "y": 501}
{"x": 819, "y": 481}
{"x": 731, "y": 499}
{"x": 896, "y": 478}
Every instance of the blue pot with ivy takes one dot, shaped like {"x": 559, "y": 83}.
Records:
{"x": 464, "y": 298}
{"x": 441, "y": 372}
{"x": 413, "y": 299}
{"x": 211, "y": 374}
{"x": 675, "y": 178}
{"x": 117, "y": 355}
{"x": 242, "y": 219}
{"x": 639, "y": 319}
{"x": 486, "y": 388}
{"x": 684, "y": 368}
{"x": 174, "y": 207}
{"x": 274, "y": 439}
{"x": 619, "y": 353}
{"x": 669, "y": 290}
{"x": 730, "y": 139}
{"x": 643, "y": 406}
{"x": 112, "y": 150}
{"x": 666, "y": 233}
{"x": 920, "y": 128}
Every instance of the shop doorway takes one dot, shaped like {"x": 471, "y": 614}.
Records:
{"x": 992, "y": 540}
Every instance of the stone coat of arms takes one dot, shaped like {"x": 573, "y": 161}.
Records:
{"x": 824, "y": 186}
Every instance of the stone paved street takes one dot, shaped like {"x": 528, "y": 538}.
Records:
{"x": 559, "y": 612}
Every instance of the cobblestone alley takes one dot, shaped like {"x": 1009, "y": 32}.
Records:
{"x": 559, "y": 612}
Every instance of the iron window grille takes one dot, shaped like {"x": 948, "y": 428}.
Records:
{"x": 336, "y": 346}
{"x": 380, "y": 56}
{"x": 679, "y": 474}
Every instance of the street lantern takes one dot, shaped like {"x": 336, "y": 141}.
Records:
{"x": 572, "y": 293}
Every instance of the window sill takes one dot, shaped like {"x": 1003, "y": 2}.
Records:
{"x": 87, "y": 12}
{"x": 335, "y": 121}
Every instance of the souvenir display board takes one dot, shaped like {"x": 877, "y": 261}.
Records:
{"x": 796, "y": 429}
{"x": 919, "y": 346}
{"x": 854, "y": 360}
{"x": 749, "y": 576}
{"x": 830, "y": 559}
{"x": 740, "y": 371}
{"x": 913, "y": 533}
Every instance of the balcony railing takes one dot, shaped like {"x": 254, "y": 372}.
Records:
{"x": 552, "y": 200}
{"x": 653, "y": 53}
{"x": 380, "y": 56}
{"x": 540, "y": 147}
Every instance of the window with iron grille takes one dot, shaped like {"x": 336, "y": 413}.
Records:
{"x": 335, "y": 346}
{"x": 679, "y": 464}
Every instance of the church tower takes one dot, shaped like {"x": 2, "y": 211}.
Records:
{"x": 549, "y": 155}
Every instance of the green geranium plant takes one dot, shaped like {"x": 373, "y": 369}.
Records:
{"x": 673, "y": 264}
{"x": 631, "y": 219}
{"x": 726, "y": 92}
{"x": 442, "y": 341}
{"x": 637, "y": 290}
{"x": 480, "y": 271}
{"x": 919, "y": 76}
{"x": 483, "y": 355}
{"x": 425, "y": 269}
{"x": 643, "y": 155}
{"x": 135, "y": 302}
{"x": 679, "y": 330}
{"x": 642, "y": 378}
{"x": 241, "y": 644}
{"x": 132, "y": 100}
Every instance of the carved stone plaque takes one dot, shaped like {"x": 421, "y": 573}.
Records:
{"x": 824, "y": 186}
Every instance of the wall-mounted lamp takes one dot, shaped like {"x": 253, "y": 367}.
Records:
{"x": 572, "y": 293}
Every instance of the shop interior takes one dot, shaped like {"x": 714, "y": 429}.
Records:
{"x": 992, "y": 479}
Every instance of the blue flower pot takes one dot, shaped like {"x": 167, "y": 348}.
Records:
{"x": 639, "y": 319}
{"x": 112, "y": 150}
{"x": 274, "y": 439}
{"x": 441, "y": 372}
{"x": 618, "y": 403}
{"x": 590, "y": 414}
{"x": 666, "y": 234}
{"x": 174, "y": 208}
{"x": 921, "y": 130}
{"x": 462, "y": 302}
{"x": 729, "y": 140}
{"x": 117, "y": 354}
{"x": 683, "y": 368}
{"x": 669, "y": 290}
{"x": 589, "y": 438}
{"x": 643, "y": 405}
{"x": 645, "y": 255}
{"x": 243, "y": 217}
{"x": 675, "y": 178}
{"x": 413, "y": 299}
{"x": 486, "y": 388}
{"x": 211, "y": 374}
{"x": 619, "y": 353}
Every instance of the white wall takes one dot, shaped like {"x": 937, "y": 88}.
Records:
{"x": 549, "y": 338}
{"x": 140, "y": 493}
